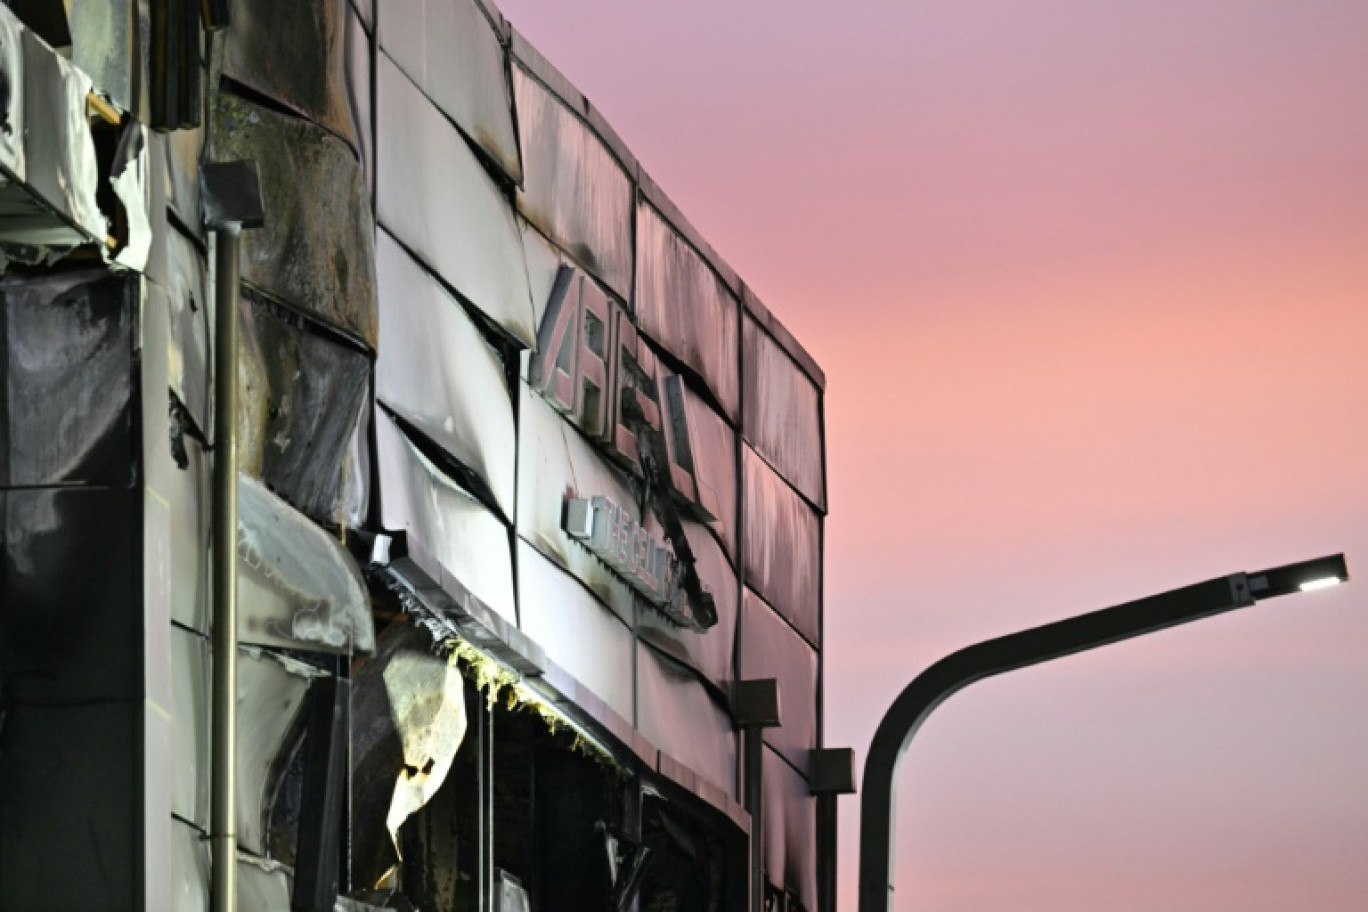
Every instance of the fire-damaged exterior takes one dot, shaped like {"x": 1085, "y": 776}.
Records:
{"x": 530, "y": 484}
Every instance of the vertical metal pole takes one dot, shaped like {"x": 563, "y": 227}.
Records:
{"x": 826, "y": 852}
{"x": 223, "y": 804}
{"x": 754, "y": 747}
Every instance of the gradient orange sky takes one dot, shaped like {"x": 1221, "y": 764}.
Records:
{"x": 1090, "y": 285}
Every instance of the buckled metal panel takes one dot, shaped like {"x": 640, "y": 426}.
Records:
{"x": 782, "y": 554}
{"x": 270, "y": 693}
{"x": 683, "y": 305}
{"x": 104, "y": 45}
{"x": 190, "y": 727}
{"x": 769, "y": 648}
{"x": 184, "y": 148}
{"x": 573, "y": 188}
{"x": 578, "y": 633}
{"x": 437, "y": 199}
{"x": 465, "y": 537}
{"x": 437, "y": 371}
{"x": 358, "y": 70}
{"x": 187, "y": 498}
{"x": 298, "y": 587}
{"x": 555, "y": 461}
{"x": 714, "y": 460}
{"x": 783, "y": 421}
{"x": 185, "y": 286}
{"x": 66, "y": 374}
{"x": 12, "y": 102}
{"x": 315, "y": 250}
{"x": 680, "y": 717}
{"x": 190, "y": 868}
{"x": 709, "y": 652}
{"x": 294, "y": 54}
{"x": 263, "y": 885}
{"x": 449, "y": 48}
{"x": 544, "y": 261}
{"x": 300, "y": 395}
{"x": 790, "y": 830}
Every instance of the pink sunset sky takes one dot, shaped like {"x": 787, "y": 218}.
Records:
{"x": 1090, "y": 285}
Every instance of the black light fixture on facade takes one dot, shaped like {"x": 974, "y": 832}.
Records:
{"x": 1031, "y": 647}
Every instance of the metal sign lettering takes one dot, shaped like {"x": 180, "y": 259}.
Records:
{"x": 647, "y": 563}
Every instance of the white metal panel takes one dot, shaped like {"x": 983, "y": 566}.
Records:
{"x": 678, "y": 715}
{"x": 437, "y": 371}
{"x": 190, "y": 726}
{"x": 465, "y": 537}
{"x": 437, "y": 199}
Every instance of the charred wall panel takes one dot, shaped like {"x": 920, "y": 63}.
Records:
{"x": 683, "y": 719}
{"x": 790, "y": 831}
{"x": 783, "y": 550}
{"x": 783, "y": 419}
{"x": 573, "y": 188}
{"x": 770, "y": 648}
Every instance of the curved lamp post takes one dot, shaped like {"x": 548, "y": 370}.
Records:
{"x": 1031, "y": 647}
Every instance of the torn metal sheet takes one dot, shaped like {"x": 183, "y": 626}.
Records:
{"x": 270, "y": 692}
{"x": 12, "y": 99}
{"x": 783, "y": 419}
{"x": 66, "y": 374}
{"x": 190, "y": 867}
{"x": 769, "y": 648}
{"x": 427, "y": 707}
{"x": 294, "y": 54}
{"x": 437, "y": 199}
{"x": 464, "y": 536}
{"x": 62, "y": 765}
{"x": 129, "y": 178}
{"x": 104, "y": 45}
{"x": 190, "y": 726}
{"x": 300, "y": 395}
{"x": 70, "y": 583}
{"x": 710, "y": 652}
{"x": 573, "y": 188}
{"x": 436, "y": 370}
{"x": 576, "y": 630}
{"x": 683, "y": 719}
{"x": 450, "y": 49}
{"x": 712, "y": 445}
{"x": 298, "y": 587}
{"x": 683, "y": 305}
{"x": 556, "y": 462}
{"x": 544, "y": 261}
{"x": 783, "y": 550}
{"x": 315, "y": 251}
{"x": 790, "y": 831}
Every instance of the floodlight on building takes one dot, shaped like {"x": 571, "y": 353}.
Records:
{"x": 1032, "y": 647}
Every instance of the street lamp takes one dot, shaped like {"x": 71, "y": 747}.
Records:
{"x": 1031, "y": 647}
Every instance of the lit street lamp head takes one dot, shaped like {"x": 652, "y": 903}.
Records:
{"x": 1321, "y": 573}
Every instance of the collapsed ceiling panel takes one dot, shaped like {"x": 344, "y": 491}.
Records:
{"x": 573, "y": 188}
{"x": 783, "y": 420}
{"x": 451, "y": 51}
{"x": 684, "y": 720}
{"x": 769, "y": 648}
{"x": 464, "y": 536}
{"x": 437, "y": 200}
{"x": 436, "y": 371}
{"x": 783, "y": 549}
{"x": 683, "y": 305}
{"x": 293, "y": 53}
{"x": 315, "y": 250}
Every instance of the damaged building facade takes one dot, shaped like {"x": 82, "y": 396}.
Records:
{"x": 530, "y": 484}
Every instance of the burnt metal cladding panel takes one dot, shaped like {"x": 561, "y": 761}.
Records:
{"x": 577, "y": 631}
{"x": 315, "y": 251}
{"x": 190, "y": 726}
{"x": 573, "y": 188}
{"x": 783, "y": 422}
{"x": 684, "y": 720}
{"x": 683, "y": 305}
{"x": 435, "y": 197}
{"x": 714, "y": 457}
{"x": 790, "y": 830}
{"x": 436, "y": 370}
{"x": 180, "y": 275}
{"x": 464, "y": 536}
{"x": 104, "y": 44}
{"x": 294, "y": 54}
{"x": 66, "y": 360}
{"x": 709, "y": 652}
{"x": 12, "y": 102}
{"x": 450, "y": 49}
{"x": 782, "y": 553}
{"x": 358, "y": 70}
{"x": 771, "y": 649}
{"x": 301, "y": 394}
{"x": 554, "y": 461}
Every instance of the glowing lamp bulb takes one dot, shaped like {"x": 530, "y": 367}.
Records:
{"x": 1324, "y": 582}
